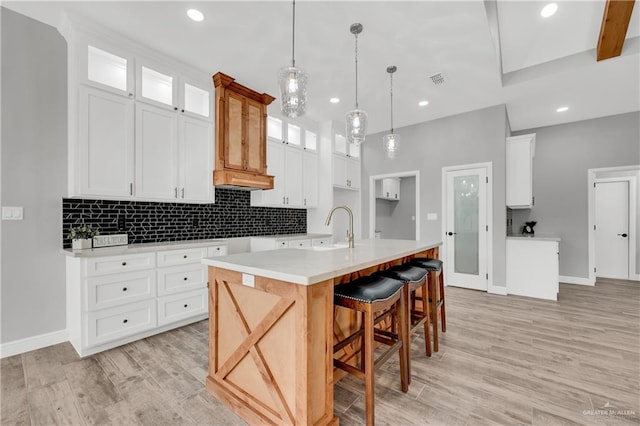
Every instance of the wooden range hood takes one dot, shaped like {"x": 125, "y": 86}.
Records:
{"x": 241, "y": 136}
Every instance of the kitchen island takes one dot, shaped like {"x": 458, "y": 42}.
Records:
{"x": 272, "y": 325}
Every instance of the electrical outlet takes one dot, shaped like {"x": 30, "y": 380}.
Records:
{"x": 194, "y": 222}
{"x": 122, "y": 223}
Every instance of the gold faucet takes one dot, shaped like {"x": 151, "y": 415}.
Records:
{"x": 350, "y": 233}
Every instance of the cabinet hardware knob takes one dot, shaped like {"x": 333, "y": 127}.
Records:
{"x": 125, "y": 321}
{"x": 185, "y": 256}
{"x": 124, "y": 263}
{"x": 218, "y": 248}
{"x": 124, "y": 289}
{"x": 451, "y": 233}
{"x": 182, "y": 110}
{"x": 182, "y": 192}
{"x": 387, "y": 194}
{"x": 175, "y": 108}
{"x": 130, "y": 95}
{"x": 131, "y": 188}
{"x": 623, "y": 235}
{"x": 185, "y": 278}
{"x": 185, "y": 305}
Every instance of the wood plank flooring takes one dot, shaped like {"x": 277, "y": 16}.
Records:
{"x": 503, "y": 360}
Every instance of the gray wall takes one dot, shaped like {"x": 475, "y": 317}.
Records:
{"x": 563, "y": 155}
{"x": 473, "y": 137}
{"x": 34, "y": 172}
{"x": 393, "y": 218}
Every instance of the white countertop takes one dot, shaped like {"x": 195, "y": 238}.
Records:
{"x": 305, "y": 267}
{"x": 292, "y": 237}
{"x": 143, "y": 248}
{"x": 535, "y": 237}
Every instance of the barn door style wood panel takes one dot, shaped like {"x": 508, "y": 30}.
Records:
{"x": 269, "y": 348}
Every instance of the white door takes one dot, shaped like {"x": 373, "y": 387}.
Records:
{"x": 156, "y": 152}
{"x": 612, "y": 229}
{"x": 196, "y": 160}
{"x": 466, "y": 228}
{"x": 105, "y": 145}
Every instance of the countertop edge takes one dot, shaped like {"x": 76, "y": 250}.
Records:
{"x": 534, "y": 238}
{"x": 142, "y": 248}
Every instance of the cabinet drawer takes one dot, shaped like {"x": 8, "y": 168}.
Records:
{"x": 299, "y": 243}
{"x": 117, "y": 289}
{"x": 217, "y": 251}
{"x": 181, "y": 278}
{"x": 181, "y": 257}
{"x": 180, "y": 306}
{"x": 122, "y": 321}
{"x": 126, "y": 263}
{"x": 316, "y": 242}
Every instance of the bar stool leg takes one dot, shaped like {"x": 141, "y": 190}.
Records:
{"x": 433, "y": 296}
{"x": 427, "y": 312}
{"x": 403, "y": 352}
{"x": 443, "y": 315}
{"x": 368, "y": 365}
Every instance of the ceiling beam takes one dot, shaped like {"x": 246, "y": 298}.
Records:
{"x": 615, "y": 21}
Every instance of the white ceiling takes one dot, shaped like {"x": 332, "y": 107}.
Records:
{"x": 546, "y": 63}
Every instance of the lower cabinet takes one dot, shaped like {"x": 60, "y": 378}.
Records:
{"x": 113, "y": 300}
{"x": 533, "y": 268}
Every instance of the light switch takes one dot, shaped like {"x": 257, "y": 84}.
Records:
{"x": 12, "y": 213}
{"x": 432, "y": 216}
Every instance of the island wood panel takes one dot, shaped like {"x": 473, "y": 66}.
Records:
{"x": 268, "y": 357}
{"x": 347, "y": 321}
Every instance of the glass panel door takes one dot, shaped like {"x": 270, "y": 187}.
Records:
{"x": 465, "y": 216}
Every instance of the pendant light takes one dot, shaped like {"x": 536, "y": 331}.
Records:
{"x": 391, "y": 141}
{"x": 356, "y": 118}
{"x": 293, "y": 82}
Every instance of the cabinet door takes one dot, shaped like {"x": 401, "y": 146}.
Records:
{"x": 105, "y": 144}
{"x": 276, "y": 168}
{"x": 254, "y": 137}
{"x": 310, "y": 179}
{"x": 195, "y": 160}
{"x": 353, "y": 173}
{"x": 519, "y": 172}
{"x": 234, "y": 141}
{"x": 293, "y": 176}
{"x": 106, "y": 67}
{"x": 156, "y": 84}
{"x": 195, "y": 99}
{"x": 156, "y": 152}
{"x": 339, "y": 170}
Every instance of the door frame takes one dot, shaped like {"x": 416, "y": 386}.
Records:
{"x": 372, "y": 198}
{"x": 488, "y": 166}
{"x": 591, "y": 221}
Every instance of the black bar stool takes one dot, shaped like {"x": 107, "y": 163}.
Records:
{"x": 413, "y": 278}
{"x": 369, "y": 295}
{"x": 435, "y": 282}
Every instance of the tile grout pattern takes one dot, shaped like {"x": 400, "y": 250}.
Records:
{"x": 149, "y": 222}
{"x": 503, "y": 361}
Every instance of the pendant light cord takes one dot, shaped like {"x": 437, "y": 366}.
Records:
{"x": 356, "y": 70}
{"x": 391, "y": 75}
{"x": 293, "y": 38}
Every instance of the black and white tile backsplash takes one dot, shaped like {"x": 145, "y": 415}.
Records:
{"x": 146, "y": 222}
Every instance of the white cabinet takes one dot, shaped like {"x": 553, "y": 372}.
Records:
{"x": 105, "y": 149}
{"x": 310, "y": 179}
{"x": 532, "y": 268}
{"x": 520, "y": 151}
{"x": 112, "y": 300}
{"x": 144, "y": 132}
{"x": 388, "y": 189}
{"x": 346, "y": 172}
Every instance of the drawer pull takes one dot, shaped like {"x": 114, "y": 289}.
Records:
{"x": 124, "y": 263}
{"x": 124, "y": 289}
{"x": 125, "y": 321}
{"x": 185, "y": 278}
{"x": 218, "y": 248}
{"x": 185, "y": 305}
{"x": 185, "y": 256}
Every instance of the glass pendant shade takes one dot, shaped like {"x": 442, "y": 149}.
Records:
{"x": 293, "y": 91}
{"x": 391, "y": 144}
{"x": 356, "y": 126}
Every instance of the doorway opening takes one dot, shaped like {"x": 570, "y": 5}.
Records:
{"x": 394, "y": 206}
{"x": 613, "y": 220}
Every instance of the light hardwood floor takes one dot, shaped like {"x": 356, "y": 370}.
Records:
{"x": 504, "y": 360}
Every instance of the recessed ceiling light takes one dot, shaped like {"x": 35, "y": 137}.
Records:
{"x": 562, "y": 109}
{"x": 334, "y": 100}
{"x": 549, "y": 10}
{"x": 195, "y": 14}
{"x": 423, "y": 103}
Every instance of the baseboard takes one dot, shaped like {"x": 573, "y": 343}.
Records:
{"x": 32, "y": 343}
{"x": 576, "y": 280}
{"x": 494, "y": 289}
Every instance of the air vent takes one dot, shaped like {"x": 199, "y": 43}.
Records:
{"x": 437, "y": 78}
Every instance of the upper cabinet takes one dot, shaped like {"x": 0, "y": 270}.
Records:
{"x": 144, "y": 130}
{"x": 241, "y": 133}
{"x": 520, "y": 151}
{"x": 342, "y": 147}
{"x": 388, "y": 189}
